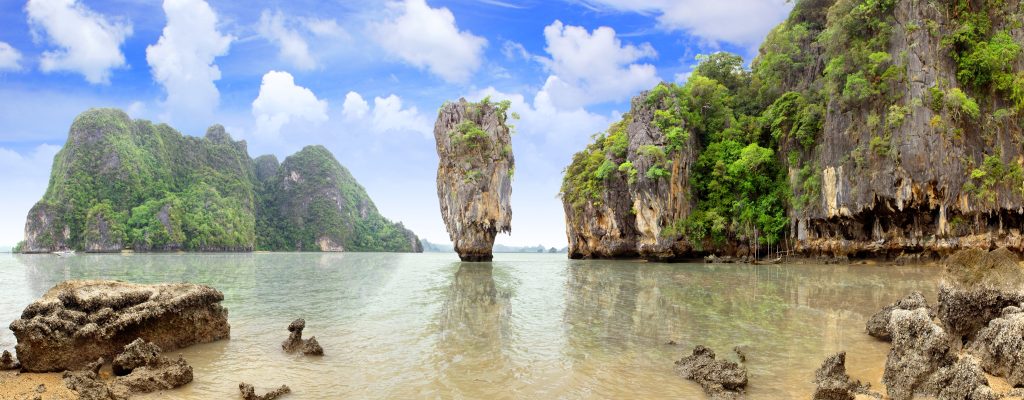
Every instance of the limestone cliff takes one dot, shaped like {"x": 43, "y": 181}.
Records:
{"x": 311, "y": 202}
{"x": 122, "y": 184}
{"x": 474, "y": 175}
{"x": 863, "y": 129}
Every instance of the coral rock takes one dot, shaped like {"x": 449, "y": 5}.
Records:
{"x": 249, "y": 392}
{"x": 79, "y": 321}
{"x": 719, "y": 379}
{"x": 878, "y": 324}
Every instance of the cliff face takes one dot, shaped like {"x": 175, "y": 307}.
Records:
{"x": 311, "y": 202}
{"x": 120, "y": 183}
{"x": 864, "y": 129}
{"x": 474, "y": 175}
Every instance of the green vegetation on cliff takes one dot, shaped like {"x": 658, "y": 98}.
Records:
{"x": 120, "y": 183}
{"x": 737, "y": 153}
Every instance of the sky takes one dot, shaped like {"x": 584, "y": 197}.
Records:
{"x": 364, "y": 78}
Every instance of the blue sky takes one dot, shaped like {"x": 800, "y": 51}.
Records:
{"x": 363, "y": 77}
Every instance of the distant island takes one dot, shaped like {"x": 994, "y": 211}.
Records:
{"x": 431, "y": 247}
{"x": 122, "y": 184}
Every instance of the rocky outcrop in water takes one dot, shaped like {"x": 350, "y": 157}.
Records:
{"x": 8, "y": 362}
{"x": 919, "y": 349}
{"x": 878, "y": 324}
{"x": 720, "y": 379}
{"x": 88, "y": 384}
{"x": 120, "y": 183}
{"x": 309, "y": 347}
{"x": 832, "y": 383}
{"x": 976, "y": 288}
{"x": 249, "y": 392}
{"x": 474, "y": 175}
{"x": 143, "y": 369}
{"x": 77, "y": 322}
{"x": 861, "y": 130}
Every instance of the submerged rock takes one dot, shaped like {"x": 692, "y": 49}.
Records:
{"x": 249, "y": 392}
{"x": 8, "y": 362}
{"x": 919, "y": 349}
{"x": 136, "y": 354}
{"x": 720, "y": 379}
{"x": 309, "y": 347}
{"x": 1000, "y": 346}
{"x": 76, "y": 322}
{"x": 878, "y": 324}
{"x": 832, "y": 382}
{"x": 160, "y": 373}
{"x": 978, "y": 286}
{"x": 474, "y": 175}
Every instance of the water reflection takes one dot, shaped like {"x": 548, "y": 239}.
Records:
{"x": 474, "y": 334}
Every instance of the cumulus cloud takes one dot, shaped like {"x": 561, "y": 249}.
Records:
{"x": 294, "y": 48}
{"x": 182, "y": 60}
{"x": 89, "y": 43}
{"x": 282, "y": 101}
{"x": 388, "y": 115}
{"x": 429, "y": 38}
{"x": 10, "y": 58}
{"x": 593, "y": 67}
{"x": 24, "y": 181}
{"x": 740, "y": 22}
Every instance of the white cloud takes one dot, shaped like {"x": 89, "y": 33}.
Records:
{"x": 429, "y": 38}
{"x": 10, "y": 58}
{"x": 24, "y": 180}
{"x": 741, "y": 22}
{"x": 591, "y": 68}
{"x": 90, "y": 43}
{"x": 294, "y": 48}
{"x": 515, "y": 50}
{"x": 355, "y": 107}
{"x": 282, "y": 101}
{"x": 387, "y": 116}
{"x": 325, "y": 28}
{"x": 182, "y": 60}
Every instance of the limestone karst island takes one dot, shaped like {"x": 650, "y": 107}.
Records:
{"x": 732, "y": 199}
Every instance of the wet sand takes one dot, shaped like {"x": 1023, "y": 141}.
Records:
{"x": 24, "y": 386}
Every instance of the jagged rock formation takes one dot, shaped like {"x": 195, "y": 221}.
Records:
{"x": 832, "y": 383}
{"x": 309, "y": 347}
{"x": 474, "y": 175}
{"x": 919, "y": 349}
{"x": 8, "y": 362}
{"x": 720, "y": 379}
{"x": 122, "y": 184}
{"x": 77, "y": 322}
{"x": 136, "y": 354}
{"x": 143, "y": 369}
{"x": 863, "y": 129}
{"x": 976, "y": 288}
{"x": 311, "y": 202}
{"x": 88, "y": 384}
{"x": 878, "y": 324}
{"x": 249, "y": 392}
{"x": 1000, "y": 346}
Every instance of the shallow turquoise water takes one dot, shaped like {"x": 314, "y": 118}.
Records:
{"x": 524, "y": 326}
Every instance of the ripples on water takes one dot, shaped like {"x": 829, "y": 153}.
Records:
{"x": 524, "y": 326}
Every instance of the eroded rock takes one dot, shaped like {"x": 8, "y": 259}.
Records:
{"x": 878, "y": 324}
{"x": 919, "y": 349}
{"x": 832, "y": 383}
{"x": 88, "y": 384}
{"x": 76, "y": 322}
{"x": 249, "y": 392}
{"x": 7, "y": 361}
{"x": 160, "y": 373}
{"x": 136, "y": 354}
{"x": 720, "y": 379}
{"x": 474, "y": 175}
{"x": 978, "y": 285}
{"x": 309, "y": 347}
{"x": 1000, "y": 346}
{"x": 963, "y": 380}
